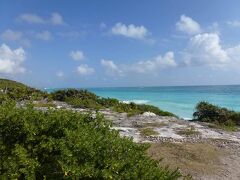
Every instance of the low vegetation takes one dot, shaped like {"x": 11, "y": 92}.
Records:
{"x": 222, "y": 117}
{"x": 17, "y": 91}
{"x": 155, "y": 124}
{"x": 44, "y": 104}
{"x": 61, "y": 144}
{"x": 188, "y": 131}
{"x": 148, "y": 132}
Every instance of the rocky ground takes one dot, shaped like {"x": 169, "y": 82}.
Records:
{"x": 194, "y": 147}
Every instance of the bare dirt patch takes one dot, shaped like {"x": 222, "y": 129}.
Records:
{"x": 200, "y": 160}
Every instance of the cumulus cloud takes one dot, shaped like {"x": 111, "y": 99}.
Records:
{"x": 55, "y": 19}
{"x": 155, "y": 64}
{"x": 151, "y": 66}
{"x": 77, "y": 55}
{"x": 188, "y": 25}
{"x": 205, "y": 49}
{"x": 84, "y": 70}
{"x": 130, "y": 31}
{"x": 111, "y": 67}
{"x": 11, "y": 60}
{"x": 234, "y": 54}
{"x": 44, "y": 35}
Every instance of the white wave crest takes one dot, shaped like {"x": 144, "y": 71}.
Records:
{"x": 137, "y": 101}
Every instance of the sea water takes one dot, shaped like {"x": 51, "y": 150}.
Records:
{"x": 180, "y": 100}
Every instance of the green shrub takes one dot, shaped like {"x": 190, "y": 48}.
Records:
{"x": 63, "y": 144}
{"x": 3, "y": 97}
{"x": 211, "y": 113}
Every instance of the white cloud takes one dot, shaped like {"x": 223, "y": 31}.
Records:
{"x": 205, "y": 49}
{"x": 84, "y": 69}
{"x": 234, "y": 23}
{"x": 188, "y": 25}
{"x": 234, "y": 54}
{"x": 11, "y": 60}
{"x": 15, "y": 36}
{"x": 44, "y": 35}
{"x": 31, "y": 18}
{"x": 111, "y": 67}
{"x": 130, "y": 31}
{"x": 155, "y": 64}
{"x": 10, "y": 35}
{"x": 71, "y": 34}
{"x": 102, "y": 25}
{"x": 151, "y": 66}
{"x": 60, "y": 74}
{"x": 77, "y": 55}
{"x": 55, "y": 19}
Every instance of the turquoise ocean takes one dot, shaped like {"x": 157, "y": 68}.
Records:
{"x": 180, "y": 100}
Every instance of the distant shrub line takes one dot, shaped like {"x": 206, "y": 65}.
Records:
{"x": 86, "y": 99}
{"x": 77, "y": 98}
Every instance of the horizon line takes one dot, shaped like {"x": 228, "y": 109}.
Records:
{"x": 92, "y": 87}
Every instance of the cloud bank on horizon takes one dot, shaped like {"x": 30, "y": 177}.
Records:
{"x": 57, "y": 45}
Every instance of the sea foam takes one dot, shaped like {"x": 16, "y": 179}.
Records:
{"x": 140, "y": 101}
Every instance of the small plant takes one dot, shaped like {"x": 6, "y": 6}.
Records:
{"x": 48, "y": 105}
{"x": 148, "y": 132}
{"x": 155, "y": 124}
{"x": 188, "y": 132}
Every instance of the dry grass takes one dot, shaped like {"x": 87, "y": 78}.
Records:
{"x": 230, "y": 128}
{"x": 198, "y": 158}
{"x": 148, "y": 132}
{"x": 155, "y": 124}
{"x": 188, "y": 132}
{"x": 40, "y": 104}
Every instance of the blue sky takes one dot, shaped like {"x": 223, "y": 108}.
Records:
{"x": 105, "y": 43}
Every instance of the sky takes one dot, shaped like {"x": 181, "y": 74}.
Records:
{"x": 92, "y": 43}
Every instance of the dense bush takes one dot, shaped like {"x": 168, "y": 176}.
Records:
{"x": 17, "y": 91}
{"x": 86, "y": 99}
{"x": 3, "y": 97}
{"x": 211, "y": 113}
{"x": 68, "y": 145}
